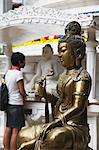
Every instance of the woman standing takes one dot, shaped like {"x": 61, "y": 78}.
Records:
{"x": 15, "y": 113}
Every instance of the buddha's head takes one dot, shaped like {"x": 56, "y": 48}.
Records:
{"x": 73, "y": 28}
{"x": 71, "y": 51}
{"x": 47, "y": 52}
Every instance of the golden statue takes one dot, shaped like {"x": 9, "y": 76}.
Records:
{"x": 69, "y": 130}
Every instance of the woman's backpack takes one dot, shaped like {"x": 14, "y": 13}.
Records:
{"x": 4, "y": 96}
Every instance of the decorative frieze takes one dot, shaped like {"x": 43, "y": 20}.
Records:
{"x": 30, "y": 14}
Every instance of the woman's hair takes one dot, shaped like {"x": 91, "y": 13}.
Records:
{"x": 77, "y": 44}
{"x": 73, "y": 28}
{"x": 17, "y": 58}
{"x": 48, "y": 45}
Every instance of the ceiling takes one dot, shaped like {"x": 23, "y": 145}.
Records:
{"x": 23, "y": 33}
{"x": 65, "y": 4}
{"x": 20, "y": 31}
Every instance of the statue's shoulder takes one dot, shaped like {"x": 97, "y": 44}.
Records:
{"x": 84, "y": 75}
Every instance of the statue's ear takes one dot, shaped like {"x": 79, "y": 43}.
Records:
{"x": 78, "y": 60}
{"x": 65, "y": 30}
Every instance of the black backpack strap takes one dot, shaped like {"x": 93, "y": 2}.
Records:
{"x": 4, "y": 76}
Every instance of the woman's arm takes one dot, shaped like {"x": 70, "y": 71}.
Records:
{"x": 21, "y": 89}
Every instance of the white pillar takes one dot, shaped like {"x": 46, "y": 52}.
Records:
{"x": 8, "y": 53}
{"x": 91, "y": 60}
{"x": 91, "y": 68}
{"x": 5, "y": 5}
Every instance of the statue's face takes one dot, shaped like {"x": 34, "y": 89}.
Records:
{"x": 66, "y": 55}
{"x": 47, "y": 53}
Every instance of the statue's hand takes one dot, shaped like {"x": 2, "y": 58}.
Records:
{"x": 41, "y": 88}
{"x": 50, "y": 126}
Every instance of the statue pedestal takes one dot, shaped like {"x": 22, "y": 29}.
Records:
{"x": 93, "y": 120}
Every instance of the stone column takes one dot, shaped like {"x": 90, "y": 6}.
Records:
{"x": 8, "y": 53}
{"x": 5, "y": 5}
{"x": 91, "y": 60}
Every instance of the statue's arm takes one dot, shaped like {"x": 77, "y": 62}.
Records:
{"x": 55, "y": 69}
{"x": 80, "y": 99}
{"x": 38, "y": 73}
{"x": 31, "y": 84}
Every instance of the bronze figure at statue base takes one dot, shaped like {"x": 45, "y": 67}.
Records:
{"x": 69, "y": 129}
